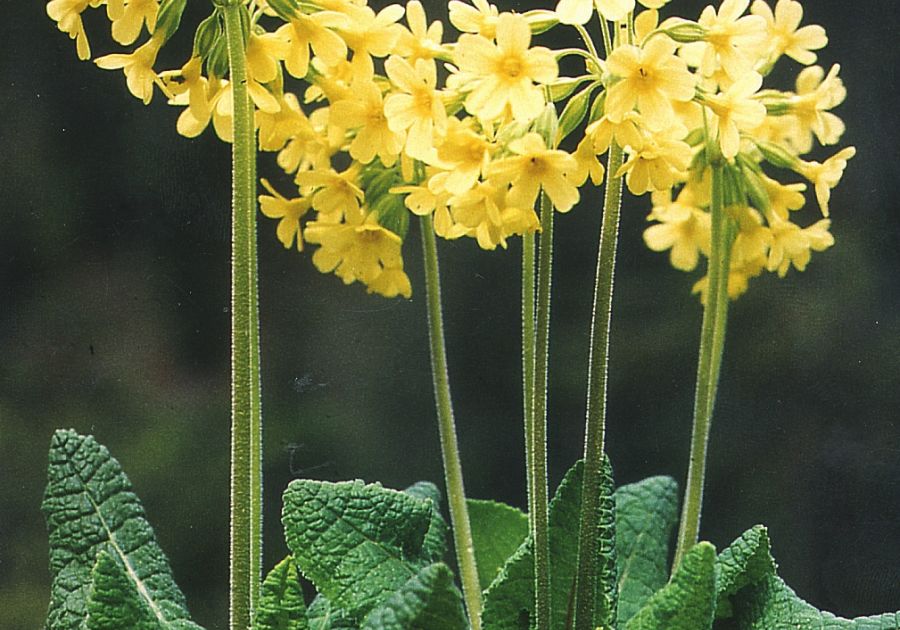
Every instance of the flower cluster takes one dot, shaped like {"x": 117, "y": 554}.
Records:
{"x": 387, "y": 119}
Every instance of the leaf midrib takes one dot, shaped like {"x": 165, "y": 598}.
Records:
{"x": 138, "y": 583}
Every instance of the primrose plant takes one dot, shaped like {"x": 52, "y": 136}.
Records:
{"x": 377, "y": 117}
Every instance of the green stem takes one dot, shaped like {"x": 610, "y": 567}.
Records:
{"x": 528, "y": 341}
{"x": 540, "y": 519}
{"x": 712, "y": 343}
{"x": 586, "y": 570}
{"x": 246, "y": 431}
{"x": 456, "y": 493}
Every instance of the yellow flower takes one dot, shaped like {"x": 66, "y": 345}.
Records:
{"x": 826, "y": 175}
{"x": 189, "y": 87}
{"x": 588, "y": 164}
{"x": 791, "y": 245}
{"x": 305, "y": 32}
{"x": 649, "y": 78}
{"x": 533, "y": 166}
{"x": 783, "y": 198}
{"x": 289, "y": 211}
{"x": 785, "y": 36}
{"x": 657, "y": 162}
{"x": 334, "y": 195}
{"x": 138, "y": 68}
{"x": 421, "y": 41}
{"x": 264, "y": 52}
{"x": 575, "y": 11}
{"x": 371, "y": 35}
{"x": 465, "y": 154}
{"x": 481, "y": 18}
{"x": 736, "y": 110}
{"x": 487, "y": 213}
{"x": 127, "y": 27}
{"x": 360, "y": 250}
{"x": 365, "y": 113}
{"x": 276, "y": 129}
{"x": 732, "y": 42}
{"x": 67, "y": 15}
{"x": 418, "y": 109}
{"x": 682, "y": 228}
{"x": 504, "y": 75}
{"x": 614, "y": 10}
{"x": 753, "y": 238}
{"x": 816, "y": 94}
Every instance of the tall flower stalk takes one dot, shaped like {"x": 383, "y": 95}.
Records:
{"x": 595, "y": 422}
{"x": 712, "y": 345}
{"x": 246, "y": 430}
{"x": 453, "y": 476}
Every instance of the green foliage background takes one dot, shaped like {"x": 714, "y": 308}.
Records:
{"x": 113, "y": 320}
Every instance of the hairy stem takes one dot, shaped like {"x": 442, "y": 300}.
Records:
{"x": 595, "y": 423}
{"x": 539, "y": 516}
{"x": 246, "y": 417}
{"x": 528, "y": 340}
{"x": 456, "y": 493}
{"x": 712, "y": 344}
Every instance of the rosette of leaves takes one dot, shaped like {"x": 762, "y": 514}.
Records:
{"x": 376, "y": 558}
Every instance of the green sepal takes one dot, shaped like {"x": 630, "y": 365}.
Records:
{"x": 498, "y": 530}
{"x": 434, "y": 546}
{"x": 91, "y": 511}
{"x": 547, "y": 125}
{"x": 540, "y": 20}
{"x": 688, "y": 601}
{"x": 168, "y": 18}
{"x": 509, "y": 601}
{"x": 281, "y": 604}
{"x": 208, "y": 31}
{"x": 646, "y": 515}
{"x": 429, "y": 600}
{"x": 286, "y": 9}
{"x": 357, "y": 543}
{"x": 574, "y": 112}
{"x": 753, "y": 185}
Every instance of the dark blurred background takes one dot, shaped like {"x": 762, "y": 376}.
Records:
{"x": 114, "y": 320}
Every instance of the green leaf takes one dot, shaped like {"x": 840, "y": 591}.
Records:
{"x": 688, "y": 601}
{"x": 745, "y": 562}
{"x": 428, "y": 601}
{"x": 509, "y": 601}
{"x": 90, "y": 508}
{"x": 323, "y": 616}
{"x": 757, "y": 599}
{"x": 772, "y": 605}
{"x": 357, "y": 543}
{"x": 435, "y": 544}
{"x": 281, "y": 604}
{"x": 646, "y": 514}
{"x": 497, "y": 531}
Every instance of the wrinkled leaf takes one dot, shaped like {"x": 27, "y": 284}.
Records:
{"x": 688, "y": 601}
{"x": 746, "y": 561}
{"x": 323, "y": 616}
{"x": 281, "y": 603}
{"x": 497, "y": 531}
{"x": 757, "y": 599}
{"x": 357, "y": 543}
{"x": 646, "y": 514}
{"x": 509, "y": 601}
{"x": 90, "y": 508}
{"x": 435, "y": 544}
{"x": 428, "y": 601}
